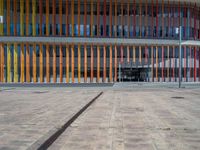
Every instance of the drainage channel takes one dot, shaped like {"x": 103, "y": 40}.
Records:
{"x": 52, "y": 138}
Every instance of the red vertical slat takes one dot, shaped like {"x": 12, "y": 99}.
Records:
{"x": 195, "y": 22}
{"x": 156, "y": 18}
{"x": 104, "y": 18}
{"x": 85, "y": 17}
{"x": 185, "y": 73}
{"x": 98, "y": 18}
{"x": 185, "y": 21}
{"x": 122, "y": 54}
{"x": 67, "y": 18}
{"x": 134, "y": 18}
{"x": 152, "y": 18}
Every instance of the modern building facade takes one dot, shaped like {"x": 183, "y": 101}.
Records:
{"x": 77, "y": 41}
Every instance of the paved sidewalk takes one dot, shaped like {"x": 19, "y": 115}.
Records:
{"x": 140, "y": 119}
{"x": 30, "y": 115}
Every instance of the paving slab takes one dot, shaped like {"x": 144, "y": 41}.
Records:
{"x": 144, "y": 119}
{"x": 29, "y": 115}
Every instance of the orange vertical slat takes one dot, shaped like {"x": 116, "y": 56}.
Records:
{"x": 115, "y": 63}
{"x": 27, "y": 17}
{"x": 72, "y": 62}
{"x": 27, "y": 63}
{"x": 92, "y": 64}
{"x": 67, "y": 63}
{"x": 60, "y": 16}
{"x": 47, "y": 18}
{"x": 79, "y": 63}
{"x": 110, "y": 16}
{"x": 98, "y": 63}
{"x": 85, "y": 63}
{"x": 22, "y": 62}
{"x": 47, "y": 64}
{"x": 91, "y": 19}
{"x": 115, "y": 18}
{"x": 110, "y": 64}
{"x": 34, "y": 64}
{"x": 79, "y": 12}
{"x": 15, "y": 17}
{"x": 72, "y": 16}
{"x": 41, "y": 63}
{"x": 54, "y": 64}
{"x": 54, "y": 17}
{"x": 104, "y": 63}
{"x": 61, "y": 64}
{"x": 2, "y": 62}
{"x": 41, "y": 16}
{"x": 122, "y": 17}
{"x": 128, "y": 54}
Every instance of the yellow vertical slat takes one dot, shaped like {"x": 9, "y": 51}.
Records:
{"x": 41, "y": 63}
{"x": 91, "y": 19}
{"x": 72, "y": 16}
{"x": 156, "y": 63}
{"x": 110, "y": 74}
{"x": 8, "y": 63}
{"x": 22, "y": 63}
{"x": 72, "y": 62}
{"x": 34, "y": 64}
{"x": 79, "y": 63}
{"x": 133, "y": 54}
{"x": 15, "y": 63}
{"x": 34, "y": 17}
{"x": 67, "y": 64}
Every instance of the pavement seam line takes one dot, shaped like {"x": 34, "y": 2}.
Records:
{"x": 55, "y": 135}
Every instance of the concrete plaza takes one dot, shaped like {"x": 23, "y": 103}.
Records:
{"x": 129, "y": 118}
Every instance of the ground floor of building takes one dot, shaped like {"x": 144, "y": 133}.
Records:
{"x": 96, "y": 63}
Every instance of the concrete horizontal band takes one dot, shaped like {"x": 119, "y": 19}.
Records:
{"x": 100, "y": 41}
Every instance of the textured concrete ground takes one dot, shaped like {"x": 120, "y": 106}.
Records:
{"x": 27, "y": 116}
{"x": 137, "y": 119}
{"x": 122, "y": 118}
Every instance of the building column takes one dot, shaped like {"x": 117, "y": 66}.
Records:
{"x": 122, "y": 54}
{"x": 110, "y": 18}
{"x": 104, "y": 18}
{"x": 173, "y": 64}
{"x": 168, "y": 63}
{"x": 140, "y": 54}
{"x": 157, "y": 63}
{"x": 91, "y": 18}
{"x": 163, "y": 64}
{"x": 41, "y": 17}
{"x": 134, "y": 55}
{"x": 2, "y": 62}
{"x": 72, "y": 16}
{"x": 79, "y": 13}
{"x": 15, "y": 15}
{"x": 8, "y": 63}
{"x": 60, "y": 16}
{"x": 54, "y": 16}
{"x": 1, "y": 14}
{"x": 152, "y": 62}
{"x": 195, "y": 67}
{"x": 185, "y": 63}
{"x": 34, "y": 17}
{"x": 128, "y": 54}
{"x": 47, "y": 19}
{"x": 85, "y": 18}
